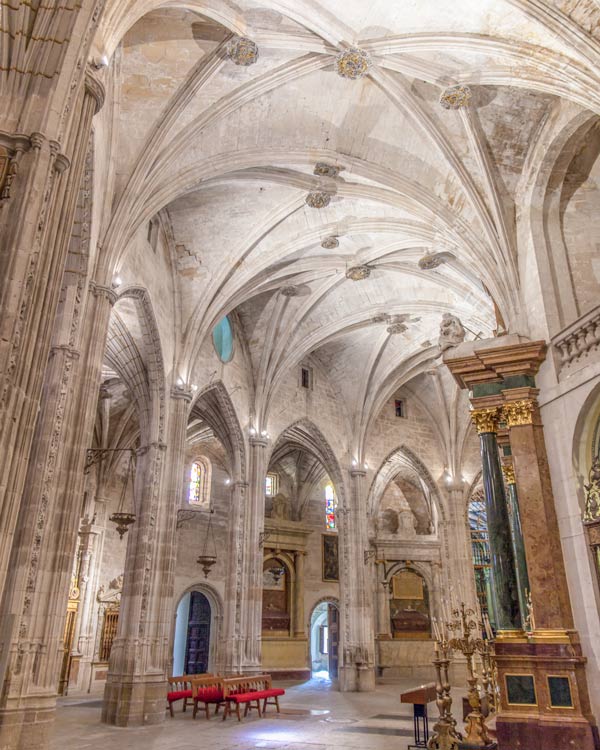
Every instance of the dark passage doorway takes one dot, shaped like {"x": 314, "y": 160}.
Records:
{"x": 198, "y": 635}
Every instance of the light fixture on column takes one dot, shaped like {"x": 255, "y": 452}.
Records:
{"x": 277, "y": 571}
{"x": 209, "y": 551}
{"x": 123, "y": 518}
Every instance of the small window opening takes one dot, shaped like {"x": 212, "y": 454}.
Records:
{"x": 306, "y": 377}
{"x": 400, "y": 407}
{"x": 153, "y": 233}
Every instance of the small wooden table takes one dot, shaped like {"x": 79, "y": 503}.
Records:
{"x": 420, "y": 697}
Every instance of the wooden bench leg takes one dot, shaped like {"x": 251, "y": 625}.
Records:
{"x": 207, "y": 711}
{"x": 217, "y": 706}
{"x": 184, "y": 705}
{"x": 237, "y": 710}
{"x": 171, "y": 710}
{"x": 226, "y": 711}
{"x": 195, "y": 710}
{"x": 277, "y": 703}
{"x": 246, "y": 709}
{"x": 258, "y": 707}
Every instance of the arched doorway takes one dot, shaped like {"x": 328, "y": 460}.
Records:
{"x": 324, "y": 640}
{"x": 193, "y": 634}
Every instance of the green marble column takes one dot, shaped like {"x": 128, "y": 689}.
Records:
{"x": 517, "y": 535}
{"x": 503, "y": 568}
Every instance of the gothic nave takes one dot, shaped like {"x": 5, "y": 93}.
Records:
{"x": 299, "y": 373}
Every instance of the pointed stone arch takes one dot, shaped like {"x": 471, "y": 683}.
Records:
{"x": 403, "y": 458}
{"x": 214, "y": 406}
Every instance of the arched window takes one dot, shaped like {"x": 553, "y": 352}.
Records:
{"x": 200, "y": 478}
{"x": 330, "y": 508}
{"x": 271, "y": 485}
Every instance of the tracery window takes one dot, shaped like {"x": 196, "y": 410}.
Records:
{"x": 199, "y": 486}
{"x": 330, "y": 508}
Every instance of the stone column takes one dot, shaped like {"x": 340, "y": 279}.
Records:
{"x": 517, "y": 534}
{"x": 254, "y": 522}
{"x": 357, "y": 668}
{"x": 139, "y": 662}
{"x": 234, "y": 584}
{"x": 300, "y": 625}
{"x": 462, "y": 574}
{"x": 35, "y": 224}
{"x": 503, "y": 569}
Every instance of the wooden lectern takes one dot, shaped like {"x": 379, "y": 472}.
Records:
{"x": 420, "y": 697}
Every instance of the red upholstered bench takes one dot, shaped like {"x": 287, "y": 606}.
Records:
{"x": 249, "y": 692}
{"x": 179, "y": 689}
{"x": 207, "y": 690}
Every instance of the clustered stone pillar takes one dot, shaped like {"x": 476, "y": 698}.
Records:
{"x": 234, "y": 584}
{"x": 136, "y": 684}
{"x": 357, "y": 671}
{"x": 250, "y": 602}
{"x": 503, "y": 570}
{"x": 543, "y": 687}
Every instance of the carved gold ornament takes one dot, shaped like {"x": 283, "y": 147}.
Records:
{"x": 592, "y": 494}
{"x": 242, "y": 51}
{"x": 317, "y": 199}
{"x": 509, "y": 473}
{"x": 518, "y": 413}
{"x": 353, "y": 63}
{"x": 486, "y": 420}
{"x": 456, "y": 97}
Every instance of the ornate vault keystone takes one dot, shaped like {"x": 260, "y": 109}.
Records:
{"x": 317, "y": 199}
{"x": 242, "y": 51}
{"x": 353, "y": 63}
{"x": 456, "y": 97}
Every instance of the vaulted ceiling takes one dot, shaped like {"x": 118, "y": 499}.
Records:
{"x": 229, "y": 154}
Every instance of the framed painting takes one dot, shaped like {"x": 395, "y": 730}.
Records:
{"x": 331, "y": 564}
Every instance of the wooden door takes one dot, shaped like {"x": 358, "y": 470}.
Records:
{"x": 333, "y": 619}
{"x": 198, "y": 635}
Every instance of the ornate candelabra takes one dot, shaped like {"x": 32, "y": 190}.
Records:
{"x": 467, "y": 639}
{"x": 445, "y": 736}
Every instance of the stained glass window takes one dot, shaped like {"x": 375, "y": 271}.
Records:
{"x": 200, "y": 479}
{"x": 223, "y": 339}
{"x": 330, "y": 508}
{"x": 271, "y": 485}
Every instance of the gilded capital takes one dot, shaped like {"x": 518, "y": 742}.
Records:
{"x": 509, "y": 472}
{"x": 486, "y": 420}
{"x": 518, "y": 413}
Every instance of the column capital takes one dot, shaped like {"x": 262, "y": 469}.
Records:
{"x": 258, "y": 441}
{"x": 519, "y": 413}
{"x": 357, "y": 473}
{"x": 99, "y": 290}
{"x": 486, "y": 420}
{"x": 508, "y": 470}
{"x": 184, "y": 394}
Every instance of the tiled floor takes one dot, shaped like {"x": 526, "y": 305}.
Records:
{"x": 314, "y": 717}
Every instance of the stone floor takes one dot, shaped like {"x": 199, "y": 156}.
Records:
{"x": 314, "y": 717}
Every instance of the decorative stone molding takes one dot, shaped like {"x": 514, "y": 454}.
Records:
{"x": 434, "y": 260}
{"x": 518, "y": 413}
{"x": 330, "y": 243}
{"x": 98, "y": 290}
{"x": 358, "y": 273}
{"x": 318, "y": 199}
{"x": 452, "y": 332}
{"x": 322, "y": 169}
{"x": 578, "y": 343}
{"x": 94, "y": 88}
{"x": 182, "y": 392}
{"x": 242, "y": 51}
{"x": 397, "y": 328}
{"x": 592, "y": 494}
{"x": 456, "y": 97}
{"x": 290, "y": 290}
{"x": 486, "y": 420}
{"x": 353, "y": 63}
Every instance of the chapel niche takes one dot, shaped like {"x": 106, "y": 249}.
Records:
{"x": 409, "y": 605}
{"x": 276, "y": 597}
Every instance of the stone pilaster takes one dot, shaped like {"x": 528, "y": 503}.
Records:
{"x": 357, "y": 671}
{"x": 299, "y": 624}
{"x": 382, "y": 595}
{"x": 457, "y": 537}
{"x": 139, "y": 662}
